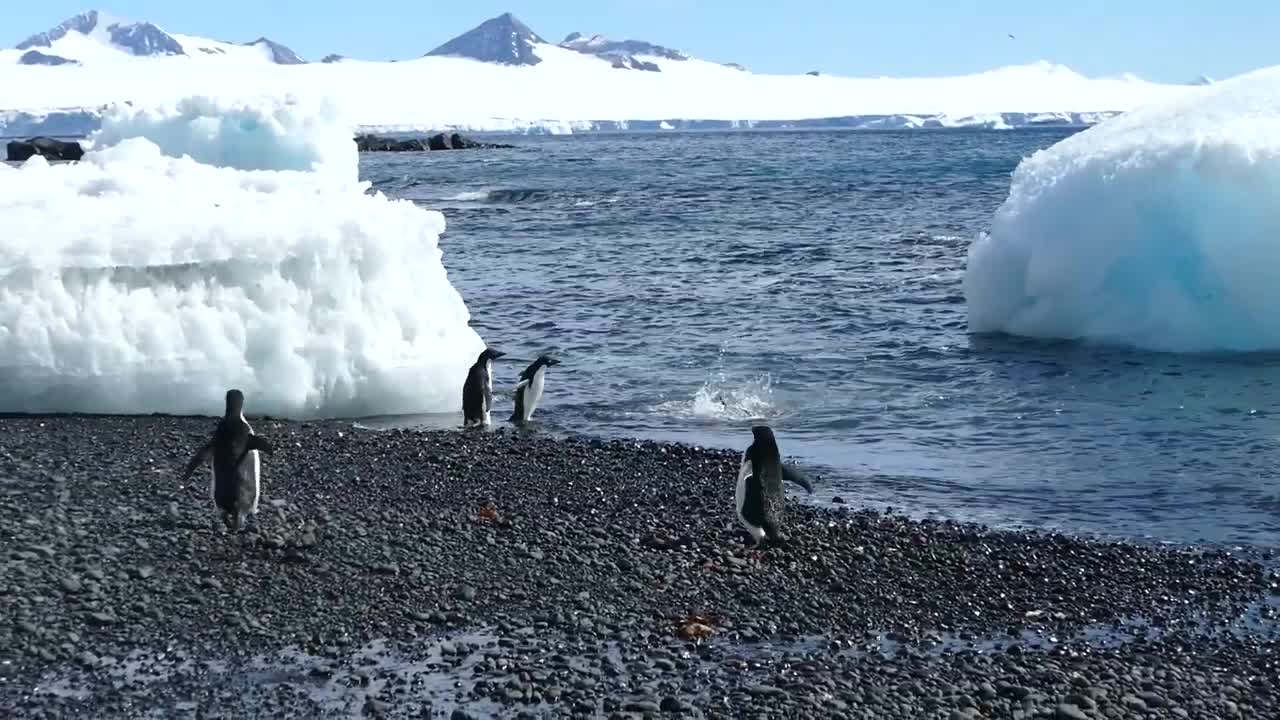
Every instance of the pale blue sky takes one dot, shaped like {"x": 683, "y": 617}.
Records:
{"x": 1165, "y": 40}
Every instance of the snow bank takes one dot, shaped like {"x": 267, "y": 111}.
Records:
{"x": 253, "y": 135}
{"x": 1158, "y": 229}
{"x": 137, "y": 282}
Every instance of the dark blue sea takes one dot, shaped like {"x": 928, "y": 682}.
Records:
{"x": 695, "y": 284}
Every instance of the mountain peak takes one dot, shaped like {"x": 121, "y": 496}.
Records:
{"x": 503, "y": 39}
{"x": 280, "y": 54}
{"x": 141, "y": 38}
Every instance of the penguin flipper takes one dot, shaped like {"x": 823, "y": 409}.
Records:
{"x": 797, "y": 476}
{"x": 519, "y": 398}
{"x": 261, "y": 444}
{"x": 201, "y": 457}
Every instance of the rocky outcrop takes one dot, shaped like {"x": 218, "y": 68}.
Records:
{"x": 601, "y": 45}
{"x": 622, "y": 54}
{"x": 503, "y": 40}
{"x": 35, "y": 57}
{"x": 50, "y": 149}
{"x": 439, "y": 141}
{"x": 332, "y": 58}
{"x": 280, "y": 55}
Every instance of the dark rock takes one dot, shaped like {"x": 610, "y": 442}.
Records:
{"x": 439, "y": 141}
{"x": 35, "y": 57}
{"x": 50, "y": 149}
{"x": 1069, "y": 712}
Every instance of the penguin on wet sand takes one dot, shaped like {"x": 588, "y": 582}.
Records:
{"x": 529, "y": 389}
{"x": 235, "y": 481}
{"x": 477, "y": 391}
{"x": 760, "y": 496}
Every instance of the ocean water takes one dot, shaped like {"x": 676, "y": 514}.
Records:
{"x": 697, "y": 283}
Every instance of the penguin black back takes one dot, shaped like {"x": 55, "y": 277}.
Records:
{"x": 477, "y": 391}
{"x": 234, "y": 486}
{"x": 760, "y": 497}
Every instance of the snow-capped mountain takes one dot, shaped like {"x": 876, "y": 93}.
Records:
{"x": 95, "y": 36}
{"x": 508, "y": 41}
{"x": 504, "y": 40}
{"x": 505, "y": 77}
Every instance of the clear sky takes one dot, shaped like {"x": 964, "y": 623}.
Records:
{"x": 1163, "y": 40}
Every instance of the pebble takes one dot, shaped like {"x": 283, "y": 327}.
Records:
{"x": 612, "y": 573}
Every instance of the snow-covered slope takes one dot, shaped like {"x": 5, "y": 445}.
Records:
{"x": 502, "y": 76}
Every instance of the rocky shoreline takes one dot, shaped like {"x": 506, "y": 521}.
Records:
{"x": 496, "y": 574}
{"x": 53, "y": 150}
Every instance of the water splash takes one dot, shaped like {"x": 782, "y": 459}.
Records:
{"x": 725, "y": 399}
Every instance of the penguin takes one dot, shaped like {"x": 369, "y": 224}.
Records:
{"x": 477, "y": 391}
{"x": 234, "y": 483}
{"x": 529, "y": 390}
{"x": 760, "y": 497}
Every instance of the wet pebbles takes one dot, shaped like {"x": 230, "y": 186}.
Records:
{"x": 405, "y": 574}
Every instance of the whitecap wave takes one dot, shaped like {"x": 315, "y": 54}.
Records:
{"x": 136, "y": 281}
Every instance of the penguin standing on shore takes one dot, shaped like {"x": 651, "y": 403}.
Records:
{"x": 529, "y": 389}
{"x": 477, "y": 391}
{"x": 234, "y": 484}
{"x": 760, "y": 496}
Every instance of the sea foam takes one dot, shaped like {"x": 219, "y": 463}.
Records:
{"x": 139, "y": 281}
{"x": 1158, "y": 229}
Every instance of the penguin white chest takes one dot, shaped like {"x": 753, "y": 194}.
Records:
{"x": 251, "y": 471}
{"x": 488, "y": 389}
{"x": 533, "y": 393}
{"x": 740, "y": 498}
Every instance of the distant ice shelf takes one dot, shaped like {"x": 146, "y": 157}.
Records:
{"x": 79, "y": 122}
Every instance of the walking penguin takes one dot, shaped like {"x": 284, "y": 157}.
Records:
{"x": 235, "y": 482}
{"x": 760, "y": 496}
{"x": 529, "y": 389}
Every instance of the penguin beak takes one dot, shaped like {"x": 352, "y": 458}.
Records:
{"x": 498, "y": 354}
{"x": 553, "y": 361}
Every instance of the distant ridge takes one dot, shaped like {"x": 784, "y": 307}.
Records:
{"x": 140, "y": 39}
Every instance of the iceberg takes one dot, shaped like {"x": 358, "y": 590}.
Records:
{"x": 1158, "y": 229}
{"x": 210, "y": 245}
